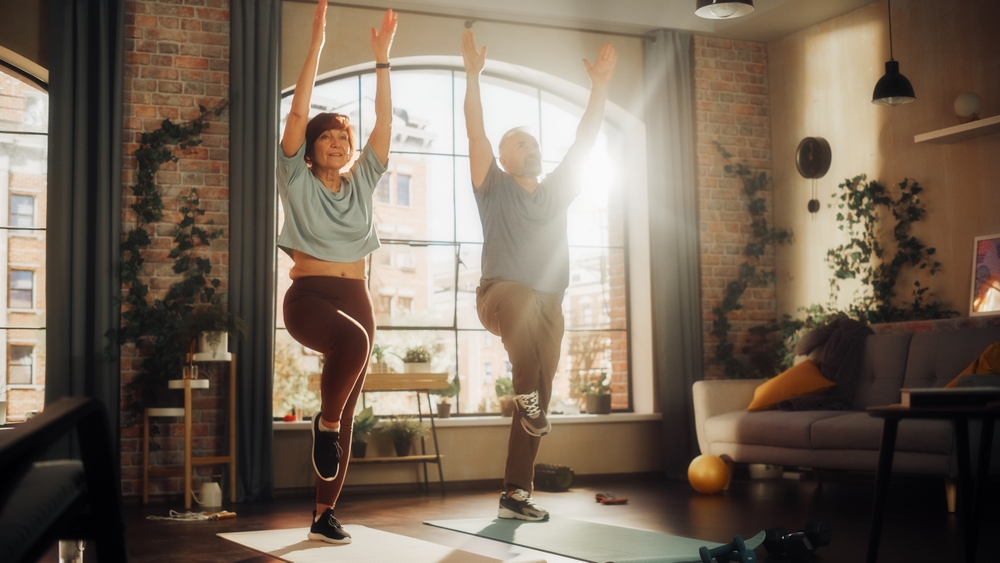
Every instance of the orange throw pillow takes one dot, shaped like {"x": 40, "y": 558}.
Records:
{"x": 803, "y": 378}
{"x": 988, "y": 362}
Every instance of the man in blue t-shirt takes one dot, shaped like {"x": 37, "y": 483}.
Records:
{"x": 526, "y": 260}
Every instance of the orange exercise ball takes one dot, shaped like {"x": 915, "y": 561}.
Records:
{"x": 708, "y": 474}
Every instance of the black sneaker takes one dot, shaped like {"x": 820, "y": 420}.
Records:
{"x": 521, "y": 506}
{"x": 532, "y": 415}
{"x": 326, "y": 451}
{"x": 328, "y": 529}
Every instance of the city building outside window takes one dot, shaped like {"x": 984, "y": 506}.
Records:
{"x": 22, "y": 289}
{"x": 23, "y": 189}
{"x": 22, "y": 211}
{"x": 425, "y": 294}
{"x": 21, "y": 367}
{"x": 403, "y": 190}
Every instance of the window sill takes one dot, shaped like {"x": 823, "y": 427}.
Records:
{"x": 481, "y": 421}
{"x": 15, "y": 386}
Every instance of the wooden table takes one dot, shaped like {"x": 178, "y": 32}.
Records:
{"x": 971, "y": 490}
{"x": 417, "y": 383}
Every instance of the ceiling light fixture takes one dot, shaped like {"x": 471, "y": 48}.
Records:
{"x": 893, "y": 88}
{"x": 723, "y": 9}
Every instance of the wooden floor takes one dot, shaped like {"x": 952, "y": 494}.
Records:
{"x": 917, "y": 527}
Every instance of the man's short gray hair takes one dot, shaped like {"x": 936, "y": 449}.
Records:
{"x": 514, "y": 131}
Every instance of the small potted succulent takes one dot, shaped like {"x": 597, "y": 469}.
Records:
{"x": 596, "y": 390}
{"x": 364, "y": 423}
{"x": 378, "y": 363}
{"x": 417, "y": 360}
{"x": 504, "y": 388}
{"x": 445, "y": 395}
{"x": 401, "y": 431}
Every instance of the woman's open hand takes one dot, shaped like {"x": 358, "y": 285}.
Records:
{"x": 319, "y": 23}
{"x": 604, "y": 65}
{"x": 382, "y": 40}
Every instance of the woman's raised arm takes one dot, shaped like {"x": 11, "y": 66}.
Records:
{"x": 295, "y": 125}
{"x": 382, "y": 132}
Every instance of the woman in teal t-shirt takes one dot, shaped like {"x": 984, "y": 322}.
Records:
{"x": 328, "y": 232}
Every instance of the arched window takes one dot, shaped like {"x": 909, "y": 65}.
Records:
{"x": 24, "y": 117}
{"x": 423, "y": 278}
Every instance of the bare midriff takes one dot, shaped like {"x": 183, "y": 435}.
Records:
{"x": 306, "y": 265}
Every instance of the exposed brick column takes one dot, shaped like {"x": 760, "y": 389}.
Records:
{"x": 732, "y": 106}
{"x": 177, "y": 58}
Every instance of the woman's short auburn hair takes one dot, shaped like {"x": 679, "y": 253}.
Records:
{"x": 326, "y": 122}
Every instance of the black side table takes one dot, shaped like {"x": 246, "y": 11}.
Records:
{"x": 969, "y": 498}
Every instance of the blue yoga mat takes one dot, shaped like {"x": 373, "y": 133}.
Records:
{"x": 597, "y": 543}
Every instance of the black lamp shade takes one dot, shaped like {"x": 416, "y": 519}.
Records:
{"x": 723, "y": 9}
{"x": 893, "y": 89}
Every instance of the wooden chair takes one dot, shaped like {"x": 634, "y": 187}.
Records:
{"x": 189, "y": 385}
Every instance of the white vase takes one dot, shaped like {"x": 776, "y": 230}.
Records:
{"x": 416, "y": 367}
{"x": 213, "y": 348}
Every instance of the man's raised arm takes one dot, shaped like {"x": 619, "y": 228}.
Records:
{"x": 480, "y": 151}
{"x": 590, "y": 124}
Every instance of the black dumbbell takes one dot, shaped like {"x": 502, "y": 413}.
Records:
{"x": 736, "y": 552}
{"x": 800, "y": 545}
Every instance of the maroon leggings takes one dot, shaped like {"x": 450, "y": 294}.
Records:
{"x": 334, "y": 316}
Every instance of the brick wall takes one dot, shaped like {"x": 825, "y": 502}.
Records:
{"x": 732, "y": 106}
{"x": 177, "y": 58}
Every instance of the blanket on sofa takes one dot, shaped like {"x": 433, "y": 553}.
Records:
{"x": 840, "y": 363}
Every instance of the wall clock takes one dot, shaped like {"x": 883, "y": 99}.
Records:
{"x": 812, "y": 158}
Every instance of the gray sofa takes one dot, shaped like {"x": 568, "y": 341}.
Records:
{"x": 849, "y": 440}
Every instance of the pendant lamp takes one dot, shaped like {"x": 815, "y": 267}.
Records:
{"x": 892, "y": 89}
{"x": 723, "y": 9}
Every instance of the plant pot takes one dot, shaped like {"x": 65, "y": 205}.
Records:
{"x": 416, "y": 367}
{"x": 402, "y": 447}
{"x": 213, "y": 347}
{"x": 378, "y": 367}
{"x": 358, "y": 449}
{"x": 599, "y": 404}
{"x": 444, "y": 410}
{"x": 507, "y": 406}
{"x": 3, "y": 412}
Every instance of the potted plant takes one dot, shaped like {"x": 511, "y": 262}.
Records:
{"x": 401, "y": 432}
{"x": 504, "y": 388}
{"x": 596, "y": 389}
{"x": 364, "y": 423}
{"x": 417, "y": 360}
{"x": 211, "y": 325}
{"x": 445, "y": 395}
{"x": 378, "y": 363}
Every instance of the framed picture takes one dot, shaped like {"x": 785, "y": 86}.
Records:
{"x": 986, "y": 276}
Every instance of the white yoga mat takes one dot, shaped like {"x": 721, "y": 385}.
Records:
{"x": 368, "y": 546}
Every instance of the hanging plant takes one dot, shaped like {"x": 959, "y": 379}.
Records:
{"x": 861, "y": 213}
{"x": 156, "y": 326}
{"x": 750, "y": 274}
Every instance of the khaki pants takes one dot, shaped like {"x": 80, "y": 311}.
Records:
{"x": 530, "y": 325}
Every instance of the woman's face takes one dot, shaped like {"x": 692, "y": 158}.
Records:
{"x": 332, "y": 150}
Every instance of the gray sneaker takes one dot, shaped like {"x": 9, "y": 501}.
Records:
{"x": 521, "y": 506}
{"x": 532, "y": 415}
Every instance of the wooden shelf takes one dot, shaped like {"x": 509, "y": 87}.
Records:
{"x": 971, "y": 130}
{"x": 396, "y": 459}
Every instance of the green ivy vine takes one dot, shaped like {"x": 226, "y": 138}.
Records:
{"x": 862, "y": 211}
{"x": 157, "y": 327}
{"x": 750, "y": 274}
